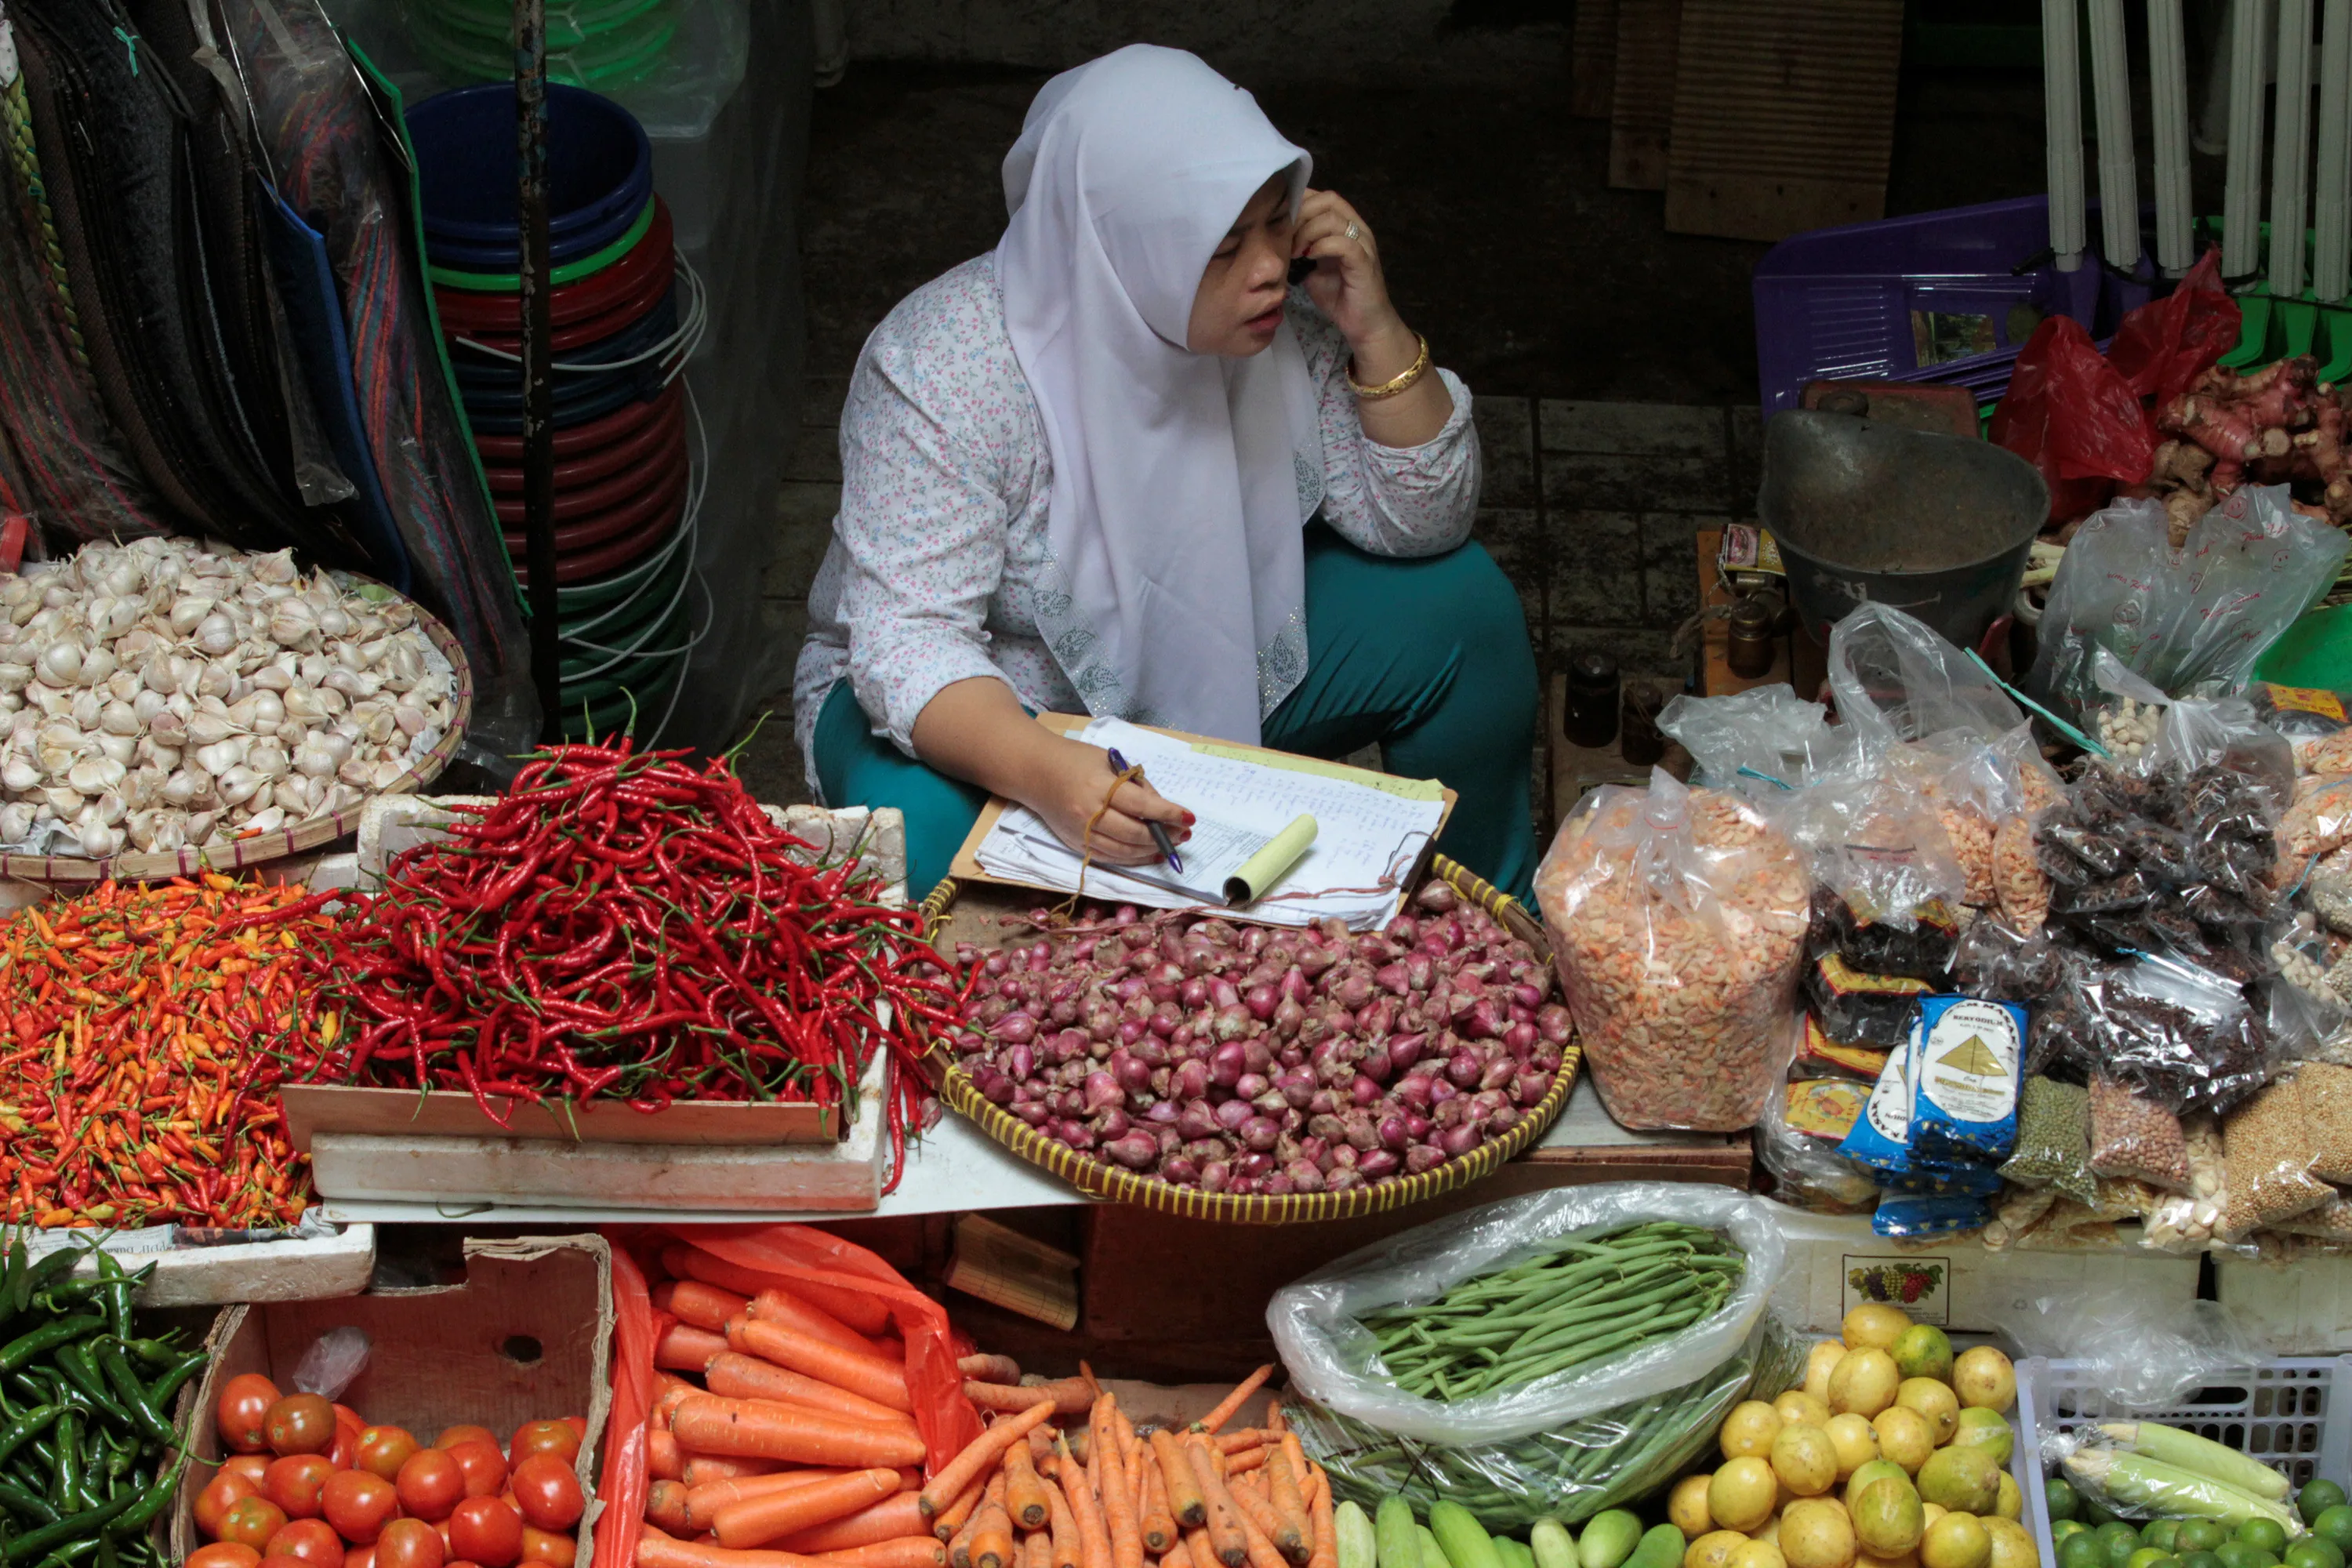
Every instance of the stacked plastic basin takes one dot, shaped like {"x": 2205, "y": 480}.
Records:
{"x": 623, "y": 480}
{"x": 601, "y": 44}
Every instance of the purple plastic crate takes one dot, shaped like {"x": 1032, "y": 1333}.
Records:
{"x": 1861, "y": 301}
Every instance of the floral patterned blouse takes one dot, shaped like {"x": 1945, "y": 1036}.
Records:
{"x": 939, "y": 550}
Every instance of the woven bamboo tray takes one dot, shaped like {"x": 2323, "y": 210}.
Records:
{"x": 1100, "y": 1179}
{"x": 262, "y": 848}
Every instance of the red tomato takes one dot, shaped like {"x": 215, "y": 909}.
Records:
{"x": 384, "y": 1450}
{"x": 311, "y": 1541}
{"x": 293, "y": 1483}
{"x": 359, "y": 1505}
{"x": 544, "y": 1437}
{"x": 219, "y": 1493}
{"x": 252, "y": 1467}
{"x": 243, "y": 1410}
{"x": 351, "y": 1417}
{"x": 546, "y": 1546}
{"x": 251, "y": 1521}
{"x": 485, "y": 1468}
{"x": 360, "y": 1557}
{"x": 300, "y": 1424}
{"x": 345, "y": 1452}
{"x": 453, "y": 1435}
{"x": 548, "y": 1493}
{"x": 281, "y": 1560}
{"x": 407, "y": 1544}
{"x": 223, "y": 1554}
{"x": 430, "y": 1484}
{"x": 485, "y": 1530}
{"x": 579, "y": 1425}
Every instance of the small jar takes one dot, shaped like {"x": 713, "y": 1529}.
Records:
{"x": 1639, "y": 739}
{"x": 1750, "y": 650}
{"x": 1590, "y": 719}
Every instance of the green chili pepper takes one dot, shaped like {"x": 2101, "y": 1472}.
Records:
{"x": 160, "y": 1392}
{"x": 160, "y": 1352}
{"x": 84, "y": 1525}
{"x": 25, "y": 1504}
{"x": 10, "y": 1272}
{"x": 114, "y": 1287}
{"x": 150, "y": 1502}
{"x": 74, "y": 1361}
{"x": 25, "y": 1427}
{"x": 20, "y": 1350}
{"x": 51, "y": 1267}
{"x": 64, "y": 1476}
{"x": 130, "y": 1391}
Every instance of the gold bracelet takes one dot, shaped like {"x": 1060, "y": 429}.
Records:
{"x": 1394, "y": 384}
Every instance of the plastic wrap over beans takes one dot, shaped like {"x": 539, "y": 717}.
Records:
{"x": 1678, "y": 921}
{"x": 2189, "y": 619}
{"x": 1762, "y": 742}
{"x": 1896, "y": 679}
{"x": 1647, "y": 1380}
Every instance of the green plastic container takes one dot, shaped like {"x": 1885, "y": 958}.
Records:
{"x": 2317, "y": 651}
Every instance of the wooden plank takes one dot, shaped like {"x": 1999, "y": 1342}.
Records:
{"x": 1593, "y": 60}
{"x": 312, "y": 1108}
{"x": 1641, "y": 109}
{"x": 1783, "y": 115}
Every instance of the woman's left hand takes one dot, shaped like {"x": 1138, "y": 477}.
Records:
{"x": 1347, "y": 284}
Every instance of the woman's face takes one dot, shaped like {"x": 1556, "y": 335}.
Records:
{"x": 1240, "y": 301}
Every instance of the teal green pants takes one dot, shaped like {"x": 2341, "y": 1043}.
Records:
{"x": 1428, "y": 658}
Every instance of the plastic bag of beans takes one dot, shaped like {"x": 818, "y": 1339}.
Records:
{"x": 2054, "y": 1140}
{"x": 2267, "y": 1150}
{"x": 1679, "y": 921}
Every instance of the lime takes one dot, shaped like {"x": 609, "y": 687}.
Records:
{"x": 2147, "y": 1557}
{"x": 2245, "y": 1554}
{"x": 2314, "y": 1551}
{"x": 2335, "y": 1524}
{"x": 2059, "y": 1497}
{"x": 2095, "y": 1511}
{"x": 2118, "y": 1540}
{"x": 2197, "y": 1535}
{"x": 2204, "y": 1559}
{"x": 2267, "y": 1533}
{"x": 2083, "y": 1549}
{"x": 2158, "y": 1534}
{"x": 2316, "y": 1498}
{"x": 2060, "y": 1529}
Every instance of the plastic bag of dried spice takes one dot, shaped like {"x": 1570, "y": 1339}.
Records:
{"x": 1678, "y": 921}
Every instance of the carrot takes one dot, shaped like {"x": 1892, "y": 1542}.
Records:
{"x": 757, "y": 1520}
{"x": 1255, "y": 1512}
{"x": 664, "y": 1460}
{"x": 960, "y": 1548}
{"x": 1071, "y": 1396}
{"x": 1176, "y": 1556}
{"x": 704, "y": 1502}
{"x": 703, "y": 1469}
{"x": 1225, "y": 1527}
{"x": 1118, "y": 1496}
{"x": 1297, "y": 1535}
{"x": 669, "y": 1389}
{"x": 1065, "y": 1527}
{"x": 702, "y": 1305}
{"x": 665, "y": 1504}
{"x": 1200, "y": 1549}
{"x": 1248, "y": 1459}
{"x": 1325, "y": 1550}
{"x": 692, "y": 1263}
{"x": 901, "y": 1552}
{"x": 1159, "y": 1524}
{"x": 869, "y": 1314}
{"x": 1231, "y": 1402}
{"x": 978, "y": 1455}
{"x": 1037, "y": 1550}
{"x": 1184, "y": 1498}
{"x": 1093, "y": 1541}
{"x": 1041, "y": 1450}
{"x": 1233, "y": 1442}
{"x": 958, "y": 1514}
{"x": 894, "y": 1516}
{"x": 656, "y": 1550}
{"x": 789, "y": 1310}
{"x": 1262, "y": 1552}
{"x": 685, "y": 1348}
{"x": 1024, "y": 1494}
{"x": 742, "y": 1375}
{"x": 863, "y": 1375}
{"x": 990, "y": 1368}
{"x": 753, "y": 1429}
{"x": 991, "y": 1542}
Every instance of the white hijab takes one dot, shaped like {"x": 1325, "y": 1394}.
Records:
{"x": 1181, "y": 481}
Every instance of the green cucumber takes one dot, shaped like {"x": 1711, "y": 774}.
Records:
{"x": 1464, "y": 1540}
{"x": 1661, "y": 1547}
{"x": 1398, "y": 1545}
{"x": 1609, "y": 1539}
{"x": 1515, "y": 1553}
{"x": 1552, "y": 1545}
{"x": 1432, "y": 1555}
{"x": 1359, "y": 1545}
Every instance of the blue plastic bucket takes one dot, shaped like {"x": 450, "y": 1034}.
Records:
{"x": 599, "y": 166}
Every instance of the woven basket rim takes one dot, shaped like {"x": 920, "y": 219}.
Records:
{"x": 1098, "y": 1178}
{"x": 293, "y": 839}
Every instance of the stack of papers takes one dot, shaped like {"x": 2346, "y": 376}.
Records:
{"x": 1369, "y": 831}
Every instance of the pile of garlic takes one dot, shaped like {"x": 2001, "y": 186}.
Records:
{"x": 169, "y": 693}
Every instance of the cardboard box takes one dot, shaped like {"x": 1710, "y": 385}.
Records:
{"x": 2300, "y": 1306}
{"x": 1836, "y": 1263}
{"x": 527, "y": 1336}
{"x": 300, "y": 1268}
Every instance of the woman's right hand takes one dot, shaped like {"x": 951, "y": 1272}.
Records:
{"x": 1071, "y": 779}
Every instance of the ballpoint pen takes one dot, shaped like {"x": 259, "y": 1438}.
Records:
{"x": 1159, "y": 834}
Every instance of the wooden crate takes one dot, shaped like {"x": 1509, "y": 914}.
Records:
{"x": 1783, "y": 115}
{"x": 1593, "y": 60}
{"x": 1641, "y": 106}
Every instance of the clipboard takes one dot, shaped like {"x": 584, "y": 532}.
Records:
{"x": 966, "y": 866}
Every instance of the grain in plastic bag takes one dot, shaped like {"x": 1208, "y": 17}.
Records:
{"x": 2267, "y": 1150}
{"x": 1679, "y": 921}
{"x": 1566, "y": 1445}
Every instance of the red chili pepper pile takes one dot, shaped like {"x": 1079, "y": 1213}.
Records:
{"x": 620, "y": 926}
{"x": 145, "y": 1028}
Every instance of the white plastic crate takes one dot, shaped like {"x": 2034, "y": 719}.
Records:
{"x": 2293, "y": 1413}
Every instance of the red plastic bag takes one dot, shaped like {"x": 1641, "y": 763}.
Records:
{"x": 2072, "y": 416}
{"x": 795, "y": 1258}
{"x": 2165, "y": 345}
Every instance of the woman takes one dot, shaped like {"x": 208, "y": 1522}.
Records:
{"x": 1121, "y": 467}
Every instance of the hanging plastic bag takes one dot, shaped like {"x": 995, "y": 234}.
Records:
{"x": 1633, "y": 1420}
{"x": 1762, "y": 742}
{"x": 2191, "y": 620}
{"x": 2073, "y": 417}
{"x": 2162, "y": 347}
{"x": 1894, "y": 678}
{"x": 2145, "y": 1350}
{"x": 621, "y": 1493}
{"x": 1679, "y": 919}
{"x": 334, "y": 1363}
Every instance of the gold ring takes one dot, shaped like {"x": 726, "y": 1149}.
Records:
{"x": 1353, "y": 232}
